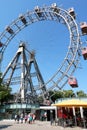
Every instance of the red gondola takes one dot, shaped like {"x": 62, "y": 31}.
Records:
{"x": 83, "y": 27}
{"x": 84, "y": 53}
{"x": 73, "y": 82}
{"x": 72, "y": 12}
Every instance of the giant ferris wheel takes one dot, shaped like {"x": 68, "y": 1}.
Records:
{"x": 64, "y": 73}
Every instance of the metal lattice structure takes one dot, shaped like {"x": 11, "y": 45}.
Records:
{"x": 60, "y": 15}
{"x": 22, "y": 63}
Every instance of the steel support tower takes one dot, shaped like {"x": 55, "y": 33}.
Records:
{"x": 28, "y": 75}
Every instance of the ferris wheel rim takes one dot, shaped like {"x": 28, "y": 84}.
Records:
{"x": 49, "y": 14}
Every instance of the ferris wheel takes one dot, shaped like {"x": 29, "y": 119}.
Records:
{"x": 64, "y": 73}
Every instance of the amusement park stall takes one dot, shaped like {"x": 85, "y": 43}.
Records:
{"x": 72, "y": 110}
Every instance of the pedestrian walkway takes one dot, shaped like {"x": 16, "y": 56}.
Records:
{"x": 38, "y": 125}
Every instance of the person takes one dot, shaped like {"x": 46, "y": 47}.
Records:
{"x": 25, "y": 117}
{"x": 18, "y": 118}
{"x": 51, "y": 117}
{"x": 21, "y": 117}
{"x": 30, "y": 119}
{"x": 34, "y": 117}
{"x": 70, "y": 123}
{"x": 45, "y": 116}
{"x": 15, "y": 117}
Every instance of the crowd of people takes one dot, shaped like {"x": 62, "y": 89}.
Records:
{"x": 25, "y": 118}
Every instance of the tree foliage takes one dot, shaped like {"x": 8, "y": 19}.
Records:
{"x": 81, "y": 94}
{"x": 66, "y": 94}
{"x": 5, "y": 92}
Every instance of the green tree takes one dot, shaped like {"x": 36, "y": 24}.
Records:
{"x": 55, "y": 95}
{"x": 5, "y": 92}
{"x": 68, "y": 93}
{"x": 81, "y": 94}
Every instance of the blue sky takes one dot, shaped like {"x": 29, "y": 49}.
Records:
{"x": 43, "y": 37}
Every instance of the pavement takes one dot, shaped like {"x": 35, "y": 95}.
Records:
{"x": 38, "y": 125}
